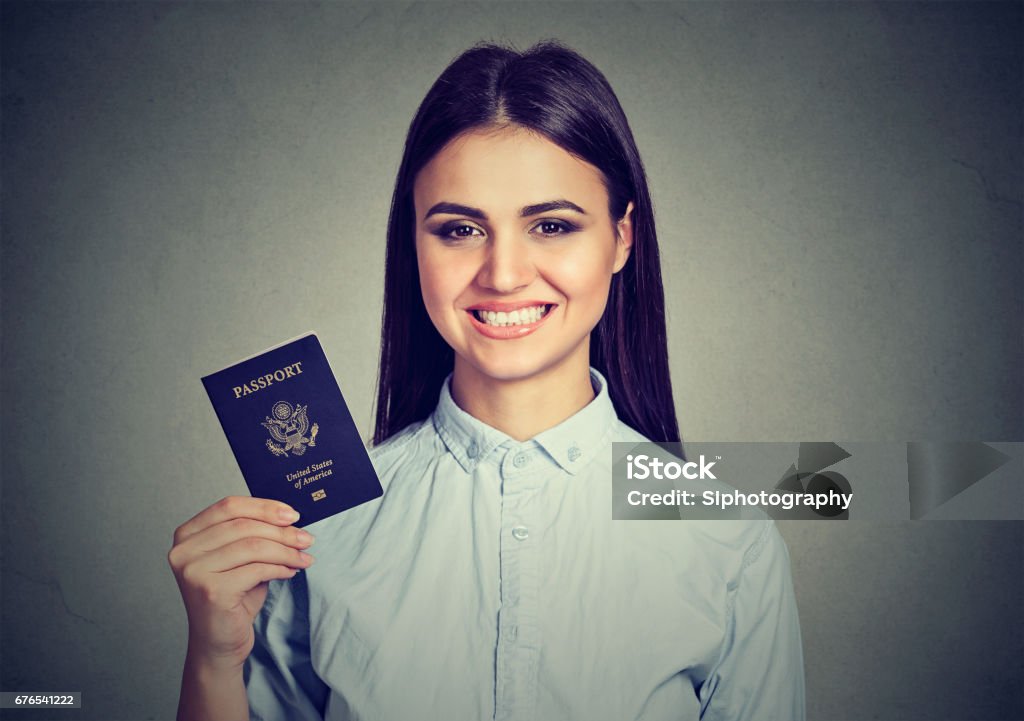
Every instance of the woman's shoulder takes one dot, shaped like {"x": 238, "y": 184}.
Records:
{"x": 398, "y": 439}
{"x": 406, "y": 441}
{"x": 627, "y": 434}
{"x": 391, "y": 461}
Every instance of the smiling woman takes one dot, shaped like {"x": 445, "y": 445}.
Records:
{"x": 521, "y": 185}
{"x": 523, "y": 334}
{"x": 504, "y": 264}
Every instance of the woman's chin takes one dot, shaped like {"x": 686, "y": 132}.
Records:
{"x": 510, "y": 367}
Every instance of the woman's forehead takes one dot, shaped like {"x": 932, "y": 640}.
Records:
{"x": 506, "y": 169}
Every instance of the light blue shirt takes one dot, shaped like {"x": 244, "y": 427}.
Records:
{"x": 490, "y": 582}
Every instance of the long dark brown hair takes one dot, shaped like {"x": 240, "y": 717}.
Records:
{"x": 553, "y": 91}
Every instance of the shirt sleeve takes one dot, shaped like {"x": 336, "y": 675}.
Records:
{"x": 279, "y": 678}
{"x": 760, "y": 671}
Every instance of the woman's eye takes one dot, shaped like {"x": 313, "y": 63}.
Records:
{"x": 555, "y": 227}
{"x": 456, "y": 231}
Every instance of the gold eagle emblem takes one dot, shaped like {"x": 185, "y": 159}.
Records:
{"x": 287, "y": 425}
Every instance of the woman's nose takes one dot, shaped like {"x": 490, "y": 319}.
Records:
{"x": 508, "y": 265}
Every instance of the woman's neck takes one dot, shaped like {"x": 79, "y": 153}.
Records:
{"x": 523, "y": 407}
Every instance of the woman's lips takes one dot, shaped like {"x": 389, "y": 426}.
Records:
{"x": 506, "y": 332}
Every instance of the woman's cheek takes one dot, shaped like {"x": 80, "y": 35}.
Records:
{"x": 433, "y": 299}
{"x": 586, "y": 277}
{"x": 442, "y": 285}
{"x": 432, "y": 277}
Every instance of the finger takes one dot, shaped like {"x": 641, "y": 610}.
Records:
{"x": 251, "y": 549}
{"x": 262, "y": 509}
{"x": 209, "y": 540}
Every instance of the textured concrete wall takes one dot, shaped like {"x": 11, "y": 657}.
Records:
{"x": 838, "y": 197}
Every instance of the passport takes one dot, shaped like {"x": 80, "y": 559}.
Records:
{"x": 291, "y": 432}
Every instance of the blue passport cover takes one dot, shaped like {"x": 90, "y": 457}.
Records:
{"x": 291, "y": 431}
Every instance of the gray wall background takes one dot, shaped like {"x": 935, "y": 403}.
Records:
{"x": 838, "y": 196}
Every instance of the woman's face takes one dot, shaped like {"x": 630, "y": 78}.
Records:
{"x": 508, "y": 221}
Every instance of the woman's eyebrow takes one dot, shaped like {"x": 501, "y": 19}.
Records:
{"x": 456, "y": 209}
{"x": 560, "y": 204}
{"x": 526, "y": 212}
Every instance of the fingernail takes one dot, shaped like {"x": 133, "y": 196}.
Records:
{"x": 304, "y": 537}
{"x": 307, "y": 558}
{"x": 288, "y": 514}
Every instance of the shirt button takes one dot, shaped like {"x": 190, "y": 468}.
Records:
{"x": 472, "y": 450}
{"x": 510, "y": 633}
{"x": 520, "y": 533}
{"x": 520, "y": 460}
{"x": 574, "y": 453}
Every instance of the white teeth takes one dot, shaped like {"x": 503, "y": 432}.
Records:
{"x": 519, "y": 316}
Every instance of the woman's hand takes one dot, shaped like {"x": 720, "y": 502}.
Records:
{"x": 223, "y": 559}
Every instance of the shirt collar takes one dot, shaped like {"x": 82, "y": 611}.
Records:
{"x": 571, "y": 443}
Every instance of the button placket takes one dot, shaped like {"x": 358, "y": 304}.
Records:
{"x": 517, "y": 644}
